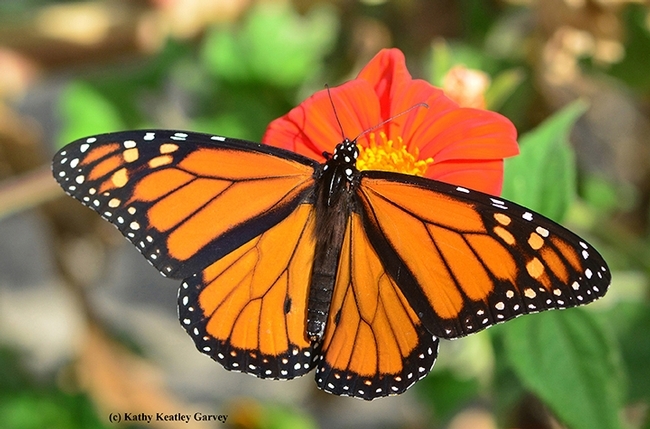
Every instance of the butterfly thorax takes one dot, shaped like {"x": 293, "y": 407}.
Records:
{"x": 334, "y": 197}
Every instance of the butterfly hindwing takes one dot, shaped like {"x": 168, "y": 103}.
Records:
{"x": 374, "y": 344}
{"x": 466, "y": 260}
{"x": 247, "y": 310}
{"x": 184, "y": 199}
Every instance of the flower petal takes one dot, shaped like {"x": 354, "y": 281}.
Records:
{"x": 465, "y": 133}
{"x": 438, "y": 104}
{"x": 483, "y": 176}
{"x": 397, "y": 92}
{"x": 387, "y": 73}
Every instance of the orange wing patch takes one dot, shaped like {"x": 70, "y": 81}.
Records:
{"x": 238, "y": 165}
{"x": 466, "y": 261}
{"x": 247, "y": 310}
{"x": 451, "y": 213}
{"x": 230, "y": 206}
{"x": 96, "y": 152}
{"x": 159, "y": 183}
{"x": 374, "y": 343}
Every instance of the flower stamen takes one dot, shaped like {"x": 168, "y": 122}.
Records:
{"x": 390, "y": 155}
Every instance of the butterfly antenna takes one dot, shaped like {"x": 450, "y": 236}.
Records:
{"x": 374, "y": 127}
{"x": 336, "y": 115}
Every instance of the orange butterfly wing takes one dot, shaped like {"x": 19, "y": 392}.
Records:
{"x": 374, "y": 344}
{"x": 247, "y": 310}
{"x": 465, "y": 260}
{"x": 184, "y": 200}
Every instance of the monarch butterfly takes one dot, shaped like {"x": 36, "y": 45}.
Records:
{"x": 290, "y": 265}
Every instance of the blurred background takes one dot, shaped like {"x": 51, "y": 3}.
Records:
{"x": 88, "y": 328}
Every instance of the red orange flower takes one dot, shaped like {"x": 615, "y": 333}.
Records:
{"x": 461, "y": 146}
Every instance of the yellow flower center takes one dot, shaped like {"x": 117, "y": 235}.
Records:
{"x": 389, "y": 155}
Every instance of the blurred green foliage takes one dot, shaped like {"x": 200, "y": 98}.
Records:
{"x": 632, "y": 70}
{"x": 29, "y": 403}
{"x": 285, "y": 57}
{"x": 283, "y": 417}
{"x": 85, "y": 111}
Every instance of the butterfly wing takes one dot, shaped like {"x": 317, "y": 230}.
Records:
{"x": 374, "y": 343}
{"x": 465, "y": 260}
{"x": 248, "y": 310}
{"x": 231, "y": 216}
{"x": 184, "y": 200}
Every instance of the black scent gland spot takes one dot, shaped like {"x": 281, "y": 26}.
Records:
{"x": 337, "y": 318}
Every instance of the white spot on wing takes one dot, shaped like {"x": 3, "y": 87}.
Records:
{"x": 542, "y": 231}
{"x": 179, "y": 136}
{"x": 497, "y": 202}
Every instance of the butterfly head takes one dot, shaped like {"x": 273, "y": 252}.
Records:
{"x": 344, "y": 159}
{"x": 340, "y": 171}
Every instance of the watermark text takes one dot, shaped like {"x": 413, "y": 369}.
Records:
{"x": 166, "y": 417}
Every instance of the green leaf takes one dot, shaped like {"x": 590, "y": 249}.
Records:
{"x": 446, "y": 393}
{"x": 84, "y": 111}
{"x": 568, "y": 361}
{"x": 631, "y": 323}
{"x": 543, "y": 176}
{"x": 507, "y": 389}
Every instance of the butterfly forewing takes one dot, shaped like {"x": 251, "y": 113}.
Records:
{"x": 466, "y": 260}
{"x": 184, "y": 199}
